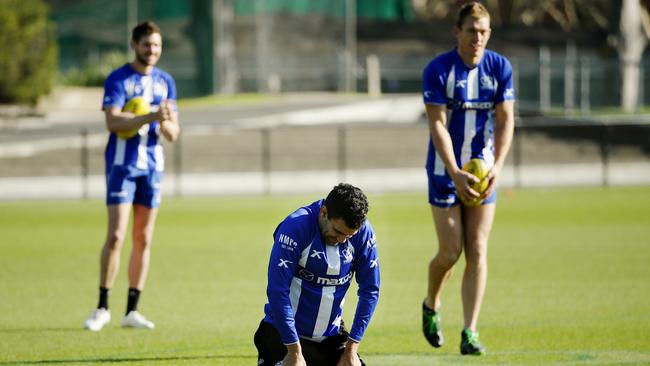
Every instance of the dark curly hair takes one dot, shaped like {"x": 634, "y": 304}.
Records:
{"x": 145, "y": 28}
{"x": 347, "y": 202}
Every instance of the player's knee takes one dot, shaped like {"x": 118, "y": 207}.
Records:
{"x": 114, "y": 240}
{"x": 142, "y": 240}
{"x": 476, "y": 257}
{"x": 447, "y": 258}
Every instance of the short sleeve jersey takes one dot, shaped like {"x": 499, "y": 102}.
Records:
{"x": 470, "y": 95}
{"x": 308, "y": 279}
{"x": 143, "y": 150}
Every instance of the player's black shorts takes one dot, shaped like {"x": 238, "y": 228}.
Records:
{"x": 271, "y": 350}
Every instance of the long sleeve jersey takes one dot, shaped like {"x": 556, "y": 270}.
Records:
{"x": 308, "y": 279}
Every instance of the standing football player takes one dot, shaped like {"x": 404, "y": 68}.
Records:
{"x": 469, "y": 99}
{"x": 316, "y": 252}
{"x": 134, "y": 168}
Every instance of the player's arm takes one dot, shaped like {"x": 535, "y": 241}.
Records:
{"x": 282, "y": 267}
{"x": 437, "y": 117}
{"x": 504, "y": 131}
{"x": 366, "y": 268}
{"x": 170, "y": 128}
{"x": 118, "y": 121}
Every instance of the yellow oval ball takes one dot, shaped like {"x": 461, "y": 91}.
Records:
{"x": 138, "y": 106}
{"x": 479, "y": 168}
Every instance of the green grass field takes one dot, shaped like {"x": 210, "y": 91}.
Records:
{"x": 569, "y": 282}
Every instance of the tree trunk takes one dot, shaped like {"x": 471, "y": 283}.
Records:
{"x": 630, "y": 49}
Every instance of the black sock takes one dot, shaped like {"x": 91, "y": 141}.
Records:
{"x": 132, "y": 303}
{"x": 103, "y": 297}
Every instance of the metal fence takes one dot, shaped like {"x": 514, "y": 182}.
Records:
{"x": 378, "y": 157}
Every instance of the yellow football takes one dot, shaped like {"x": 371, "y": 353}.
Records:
{"x": 138, "y": 106}
{"x": 479, "y": 168}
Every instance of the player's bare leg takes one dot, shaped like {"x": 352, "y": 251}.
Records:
{"x": 478, "y": 224}
{"x": 448, "y": 222}
{"x": 449, "y": 229}
{"x": 144, "y": 220}
{"x": 118, "y": 222}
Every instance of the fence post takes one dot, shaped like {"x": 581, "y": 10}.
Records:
{"x": 516, "y": 155}
{"x": 604, "y": 154}
{"x": 84, "y": 163}
{"x": 266, "y": 159}
{"x": 569, "y": 78}
{"x": 585, "y": 74}
{"x": 373, "y": 72}
{"x": 544, "y": 79}
{"x": 178, "y": 166}
{"x": 341, "y": 152}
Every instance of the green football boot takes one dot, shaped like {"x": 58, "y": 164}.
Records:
{"x": 470, "y": 344}
{"x": 431, "y": 326}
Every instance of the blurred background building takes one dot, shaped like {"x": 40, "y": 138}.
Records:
{"x": 563, "y": 51}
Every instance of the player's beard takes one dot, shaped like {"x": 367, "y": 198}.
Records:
{"x": 144, "y": 60}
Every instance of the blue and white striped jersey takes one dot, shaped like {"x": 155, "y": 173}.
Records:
{"x": 143, "y": 150}
{"x": 470, "y": 95}
{"x": 308, "y": 279}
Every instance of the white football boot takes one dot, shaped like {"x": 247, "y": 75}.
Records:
{"x": 136, "y": 320}
{"x": 97, "y": 319}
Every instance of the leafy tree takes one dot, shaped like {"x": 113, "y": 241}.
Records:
{"x": 28, "y": 54}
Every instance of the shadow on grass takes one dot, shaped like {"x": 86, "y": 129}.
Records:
{"x": 124, "y": 359}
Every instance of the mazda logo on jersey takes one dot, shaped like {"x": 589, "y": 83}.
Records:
{"x": 306, "y": 275}
{"x": 334, "y": 281}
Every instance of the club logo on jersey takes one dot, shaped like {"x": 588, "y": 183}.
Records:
{"x": 347, "y": 254}
{"x": 488, "y": 83}
{"x": 283, "y": 263}
{"x": 510, "y": 93}
{"x": 374, "y": 262}
{"x": 461, "y": 84}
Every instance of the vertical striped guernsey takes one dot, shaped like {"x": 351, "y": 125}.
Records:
{"x": 143, "y": 150}
{"x": 308, "y": 279}
{"x": 470, "y": 95}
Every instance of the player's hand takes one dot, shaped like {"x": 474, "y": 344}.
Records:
{"x": 462, "y": 181}
{"x": 492, "y": 181}
{"x": 294, "y": 356}
{"x": 350, "y": 357}
{"x": 165, "y": 110}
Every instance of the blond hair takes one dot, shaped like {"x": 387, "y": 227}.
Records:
{"x": 472, "y": 9}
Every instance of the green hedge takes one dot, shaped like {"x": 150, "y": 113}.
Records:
{"x": 28, "y": 52}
